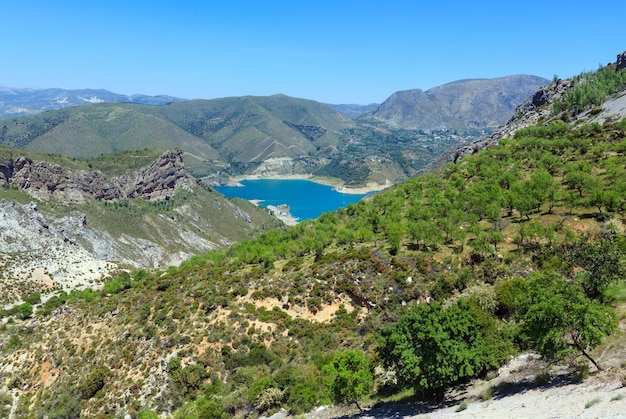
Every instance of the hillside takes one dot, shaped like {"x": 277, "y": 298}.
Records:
{"x": 68, "y": 224}
{"x": 590, "y": 97}
{"x": 16, "y": 102}
{"x": 459, "y": 105}
{"x": 408, "y": 297}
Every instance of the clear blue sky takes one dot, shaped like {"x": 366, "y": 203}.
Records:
{"x": 334, "y": 51}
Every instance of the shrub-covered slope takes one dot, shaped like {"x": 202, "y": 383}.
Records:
{"x": 528, "y": 233}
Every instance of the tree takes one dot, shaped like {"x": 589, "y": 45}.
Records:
{"x": 25, "y": 310}
{"x": 601, "y": 259}
{"x": 561, "y": 319}
{"x": 352, "y": 377}
{"x": 578, "y": 178}
{"x": 522, "y": 198}
{"x": 394, "y": 232}
{"x": 431, "y": 348}
{"x": 94, "y": 382}
{"x": 543, "y": 187}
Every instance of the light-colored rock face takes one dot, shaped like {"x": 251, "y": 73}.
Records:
{"x": 39, "y": 252}
{"x": 283, "y": 166}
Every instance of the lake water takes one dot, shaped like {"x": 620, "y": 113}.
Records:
{"x": 307, "y": 200}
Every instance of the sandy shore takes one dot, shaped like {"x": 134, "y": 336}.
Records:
{"x": 335, "y": 183}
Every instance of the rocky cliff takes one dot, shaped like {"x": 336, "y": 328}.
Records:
{"x": 621, "y": 61}
{"x": 44, "y": 180}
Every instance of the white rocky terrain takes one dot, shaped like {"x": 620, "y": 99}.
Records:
{"x": 65, "y": 249}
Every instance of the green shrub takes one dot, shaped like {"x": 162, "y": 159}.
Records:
{"x": 116, "y": 285}
{"x": 34, "y": 298}
{"x": 486, "y": 394}
{"x": 186, "y": 380}
{"x": 147, "y": 414}
{"x": 94, "y": 382}
{"x": 592, "y": 402}
{"x": 543, "y": 379}
{"x": 6, "y": 400}
{"x": 63, "y": 404}
{"x": 462, "y": 407}
{"x": 582, "y": 372}
{"x": 25, "y": 310}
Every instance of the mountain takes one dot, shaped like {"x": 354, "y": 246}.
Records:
{"x": 493, "y": 279}
{"x": 213, "y": 133}
{"x": 567, "y": 100}
{"x": 19, "y": 101}
{"x": 460, "y": 105}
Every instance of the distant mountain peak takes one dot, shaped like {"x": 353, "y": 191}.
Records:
{"x": 461, "y": 104}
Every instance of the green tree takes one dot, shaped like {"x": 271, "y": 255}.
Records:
{"x": 523, "y": 199}
{"x": 431, "y": 348}
{"x": 543, "y": 187}
{"x": 25, "y": 310}
{"x": 578, "y": 177}
{"x": 353, "y": 377}
{"x": 561, "y": 319}
{"x": 94, "y": 382}
{"x": 601, "y": 259}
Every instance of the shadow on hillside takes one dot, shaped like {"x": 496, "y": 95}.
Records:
{"x": 394, "y": 410}
{"x": 508, "y": 388}
{"x": 500, "y": 391}
{"x": 400, "y": 409}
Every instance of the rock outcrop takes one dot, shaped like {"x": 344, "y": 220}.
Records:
{"x": 6, "y": 171}
{"x": 44, "y": 180}
{"x": 621, "y": 61}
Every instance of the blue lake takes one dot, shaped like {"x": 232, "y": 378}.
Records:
{"x": 307, "y": 200}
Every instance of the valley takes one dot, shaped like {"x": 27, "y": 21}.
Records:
{"x": 485, "y": 279}
{"x": 279, "y": 135}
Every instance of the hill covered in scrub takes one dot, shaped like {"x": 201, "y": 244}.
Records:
{"x": 518, "y": 247}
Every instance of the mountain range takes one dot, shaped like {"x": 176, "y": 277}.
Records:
{"x": 280, "y": 135}
{"x": 462, "y": 104}
{"x": 16, "y": 102}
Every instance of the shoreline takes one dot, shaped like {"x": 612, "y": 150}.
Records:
{"x": 337, "y": 185}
